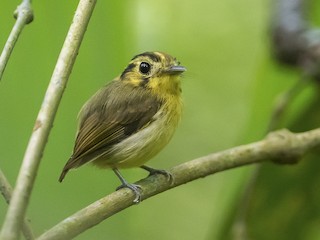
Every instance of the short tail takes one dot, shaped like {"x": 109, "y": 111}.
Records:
{"x": 66, "y": 168}
{"x": 63, "y": 174}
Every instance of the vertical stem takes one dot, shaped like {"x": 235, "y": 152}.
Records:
{"x": 24, "y": 184}
{"x": 6, "y": 191}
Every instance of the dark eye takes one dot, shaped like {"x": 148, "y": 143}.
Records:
{"x": 144, "y": 67}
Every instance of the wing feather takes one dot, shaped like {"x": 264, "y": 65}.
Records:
{"x": 105, "y": 123}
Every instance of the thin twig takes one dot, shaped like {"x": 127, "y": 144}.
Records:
{"x": 6, "y": 191}
{"x": 5, "y": 187}
{"x": 24, "y": 184}
{"x": 284, "y": 100}
{"x": 24, "y": 15}
{"x": 277, "y": 145}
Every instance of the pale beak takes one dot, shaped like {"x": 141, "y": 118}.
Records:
{"x": 176, "y": 70}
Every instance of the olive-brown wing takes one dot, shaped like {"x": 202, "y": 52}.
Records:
{"x": 109, "y": 123}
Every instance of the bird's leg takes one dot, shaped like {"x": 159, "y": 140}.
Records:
{"x": 134, "y": 187}
{"x": 153, "y": 171}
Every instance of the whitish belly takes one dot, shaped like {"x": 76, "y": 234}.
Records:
{"x": 143, "y": 145}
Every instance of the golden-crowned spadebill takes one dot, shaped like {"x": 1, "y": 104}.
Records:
{"x": 131, "y": 118}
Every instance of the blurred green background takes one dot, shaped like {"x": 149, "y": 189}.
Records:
{"x": 228, "y": 90}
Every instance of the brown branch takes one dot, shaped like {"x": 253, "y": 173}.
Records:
{"x": 276, "y": 146}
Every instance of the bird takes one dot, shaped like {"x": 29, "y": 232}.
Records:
{"x": 130, "y": 119}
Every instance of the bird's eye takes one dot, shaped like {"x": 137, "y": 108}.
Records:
{"x": 144, "y": 67}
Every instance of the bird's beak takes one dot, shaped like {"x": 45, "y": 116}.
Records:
{"x": 176, "y": 70}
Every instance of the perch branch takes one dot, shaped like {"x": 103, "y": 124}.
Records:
{"x": 282, "y": 146}
{"x": 24, "y": 15}
{"x": 24, "y": 184}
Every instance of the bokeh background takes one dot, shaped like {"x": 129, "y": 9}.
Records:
{"x": 228, "y": 90}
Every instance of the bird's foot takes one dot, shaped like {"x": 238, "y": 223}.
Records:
{"x": 136, "y": 189}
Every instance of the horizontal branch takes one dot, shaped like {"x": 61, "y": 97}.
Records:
{"x": 280, "y": 146}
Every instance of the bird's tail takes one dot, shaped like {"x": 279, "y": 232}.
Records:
{"x": 63, "y": 174}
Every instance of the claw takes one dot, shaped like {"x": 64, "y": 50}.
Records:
{"x": 153, "y": 171}
{"x": 135, "y": 188}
